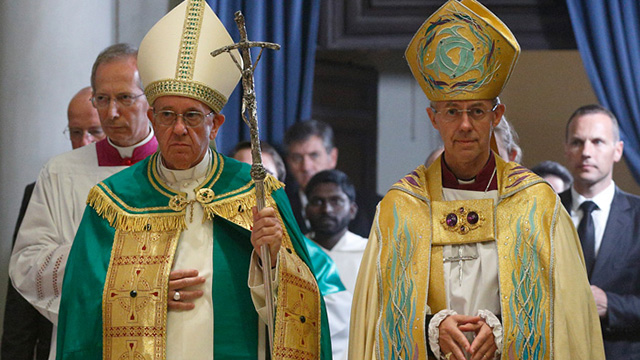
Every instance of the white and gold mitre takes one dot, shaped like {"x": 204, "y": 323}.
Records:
{"x": 174, "y": 57}
{"x": 462, "y": 52}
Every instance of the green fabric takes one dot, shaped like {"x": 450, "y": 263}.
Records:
{"x": 235, "y": 319}
{"x": 80, "y": 319}
{"x": 324, "y": 269}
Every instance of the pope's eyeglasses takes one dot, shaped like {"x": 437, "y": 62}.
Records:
{"x": 190, "y": 118}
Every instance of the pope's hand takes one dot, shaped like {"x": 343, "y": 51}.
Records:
{"x": 179, "y": 280}
{"x": 266, "y": 230}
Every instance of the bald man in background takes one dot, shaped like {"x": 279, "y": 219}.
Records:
{"x": 84, "y": 123}
{"x": 26, "y": 332}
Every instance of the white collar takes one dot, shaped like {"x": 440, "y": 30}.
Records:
{"x": 127, "y": 151}
{"x": 193, "y": 173}
{"x": 602, "y": 199}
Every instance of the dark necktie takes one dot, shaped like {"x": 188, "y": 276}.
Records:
{"x": 587, "y": 234}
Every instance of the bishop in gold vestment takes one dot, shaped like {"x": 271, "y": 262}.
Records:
{"x": 472, "y": 258}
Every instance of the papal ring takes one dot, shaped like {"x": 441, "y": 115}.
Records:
{"x": 176, "y": 296}
{"x": 448, "y": 355}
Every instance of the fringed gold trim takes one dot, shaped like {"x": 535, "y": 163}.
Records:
{"x": 237, "y": 209}
{"x": 272, "y": 184}
{"x": 106, "y": 208}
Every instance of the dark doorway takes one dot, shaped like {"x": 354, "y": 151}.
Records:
{"x": 345, "y": 96}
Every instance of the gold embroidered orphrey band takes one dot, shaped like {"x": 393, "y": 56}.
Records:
{"x": 134, "y": 305}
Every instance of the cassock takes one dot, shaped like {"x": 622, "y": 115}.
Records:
{"x": 148, "y": 220}
{"x": 54, "y": 212}
{"x": 512, "y": 251}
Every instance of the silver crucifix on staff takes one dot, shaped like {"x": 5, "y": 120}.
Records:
{"x": 250, "y": 117}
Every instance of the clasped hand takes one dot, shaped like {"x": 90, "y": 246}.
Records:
{"x": 452, "y": 339}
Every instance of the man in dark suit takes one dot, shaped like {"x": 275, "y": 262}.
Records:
{"x": 310, "y": 149}
{"x": 608, "y": 222}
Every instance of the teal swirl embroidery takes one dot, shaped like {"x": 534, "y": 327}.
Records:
{"x": 446, "y": 29}
{"x": 528, "y": 301}
{"x": 400, "y": 310}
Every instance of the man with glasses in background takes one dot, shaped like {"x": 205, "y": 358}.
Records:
{"x": 473, "y": 257}
{"x": 54, "y": 212}
{"x": 84, "y": 123}
{"x": 26, "y": 332}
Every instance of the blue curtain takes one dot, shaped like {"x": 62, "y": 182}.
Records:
{"x": 283, "y": 78}
{"x": 608, "y": 36}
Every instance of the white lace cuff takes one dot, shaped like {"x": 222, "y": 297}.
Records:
{"x": 492, "y": 320}
{"x": 434, "y": 333}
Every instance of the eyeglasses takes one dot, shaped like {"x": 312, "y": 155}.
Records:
{"x": 190, "y": 118}
{"x": 77, "y": 134}
{"x": 103, "y": 101}
{"x": 475, "y": 113}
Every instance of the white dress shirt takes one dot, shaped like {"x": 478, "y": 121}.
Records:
{"x": 599, "y": 215}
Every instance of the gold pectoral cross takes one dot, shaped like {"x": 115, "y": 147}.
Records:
{"x": 460, "y": 259}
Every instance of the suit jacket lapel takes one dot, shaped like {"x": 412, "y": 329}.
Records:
{"x": 615, "y": 238}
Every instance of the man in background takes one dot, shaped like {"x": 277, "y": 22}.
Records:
{"x": 26, "y": 332}
{"x": 54, "y": 212}
{"x": 331, "y": 207}
{"x": 507, "y": 141}
{"x": 310, "y": 148}
{"x": 338, "y": 303}
{"x": 84, "y": 123}
{"x": 608, "y": 223}
{"x": 555, "y": 174}
{"x": 271, "y": 160}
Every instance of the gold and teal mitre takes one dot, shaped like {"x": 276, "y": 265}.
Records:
{"x": 174, "y": 59}
{"x": 462, "y": 52}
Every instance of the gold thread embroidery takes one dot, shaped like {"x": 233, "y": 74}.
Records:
{"x": 192, "y": 89}
{"x": 462, "y": 220}
{"x": 215, "y": 169}
{"x": 121, "y": 220}
{"x": 155, "y": 179}
{"x": 205, "y": 196}
{"x": 178, "y": 203}
{"x": 189, "y": 40}
{"x": 134, "y": 300}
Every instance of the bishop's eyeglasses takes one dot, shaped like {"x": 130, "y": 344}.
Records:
{"x": 190, "y": 118}
{"x": 475, "y": 113}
